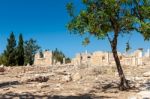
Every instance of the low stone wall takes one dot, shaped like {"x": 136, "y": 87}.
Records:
{"x": 24, "y": 69}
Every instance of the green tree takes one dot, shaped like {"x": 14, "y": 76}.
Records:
{"x": 110, "y": 19}
{"x": 3, "y": 60}
{"x": 20, "y": 51}
{"x": 58, "y": 56}
{"x": 30, "y": 49}
{"x": 10, "y": 52}
{"x": 41, "y": 54}
{"x": 68, "y": 60}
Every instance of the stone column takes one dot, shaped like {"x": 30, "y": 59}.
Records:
{"x": 107, "y": 58}
{"x": 148, "y": 53}
{"x": 54, "y": 62}
{"x": 134, "y": 61}
{"x": 64, "y": 61}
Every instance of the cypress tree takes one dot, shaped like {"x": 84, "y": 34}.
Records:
{"x": 20, "y": 51}
{"x": 10, "y": 51}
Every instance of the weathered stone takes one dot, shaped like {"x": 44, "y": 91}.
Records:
{"x": 132, "y": 97}
{"x": 35, "y": 79}
{"x": 45, "y": 60}
{"x": 143, "y": 95}
{"x": 76, "y": 77}
{"x": 2, "y": 69}
{"x": 41, "y": 79}
{"x": 100, "y": 58}
{"x": 138, "y": 78}
{"x": 2, "y": 65}
{"x": 67, "y": 78}
{"x": 42, "y": 85}
{"x": 147, "y": 74}
{"x": 28, "y": 64}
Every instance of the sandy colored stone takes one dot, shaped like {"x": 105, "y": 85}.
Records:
{"x": 76, "y": 77}
{"x": 143, "y": 95}
{"x": 97, "y": 85}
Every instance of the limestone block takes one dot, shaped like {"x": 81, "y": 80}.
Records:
{"x": 146, "y": 74}
{"x": 76, "y": 77}
{"x": 2, "y": 65}
{"x": 34, "y": 79}
{"x": 143, "y": 95}
{"x": 42, "y": 85}
{"x": 67, "y": 78}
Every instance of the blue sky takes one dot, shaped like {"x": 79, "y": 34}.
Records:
{"x": 45, "y": 20}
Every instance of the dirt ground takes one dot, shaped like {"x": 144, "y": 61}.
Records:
{"x": 70, "y": 82}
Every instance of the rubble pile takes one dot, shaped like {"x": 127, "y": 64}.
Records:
{"x": 69, "y": 80}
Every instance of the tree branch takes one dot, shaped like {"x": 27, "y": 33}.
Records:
{"x": 109, "y": 38}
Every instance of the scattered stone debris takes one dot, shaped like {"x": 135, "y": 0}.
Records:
{"x": 146, "y": 74}
{"x": 2, "y": 69}
{"x": 28, "y": 64}
{"x": 39, "y": 79}
{"x": 2, "y": 65}
{"x": 42, "y": 85}
{"x": 67, "y": 78}
{"x": 76, "y": 77}
{"x": 143, "y": 95}
{"x": 98, "y": 82}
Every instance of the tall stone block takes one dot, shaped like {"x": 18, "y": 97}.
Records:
{"x": 45, "y": 60}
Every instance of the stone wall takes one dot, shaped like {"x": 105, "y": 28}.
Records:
{"x": 45, "y": 60}
{"x": 100, "y": 58}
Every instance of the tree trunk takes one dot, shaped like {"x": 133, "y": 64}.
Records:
{"x": 124, "y": 85}
{"x": 123, "y": 82}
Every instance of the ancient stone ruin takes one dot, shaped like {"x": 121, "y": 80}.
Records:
{"x": 44, "y": 60}
{"x": 88, "y": 73}
{"x": 98, "y": 58}
{"x": 137, "y": 58}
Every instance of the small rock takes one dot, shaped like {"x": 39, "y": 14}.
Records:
{"x": 58, "y": 85}
{"x": 146, "y": 74}
{"x": 67, "y": 78}
{"x": 2, "y": 69}
{"x": 143, "y": 95}
{"x": 76, "y": 77}
{"x": 41, "y": 79}
{"x": 132, "y": 97}
{"x": 6, "y": 89}
{"x": 34, "y": 79}
{"x": 2, "y": 65}
{"x": 86, "y": 90}
{"x": 42, "y": 85}
{"x": 138, "y": 78}
{"x": 28, "y": 64}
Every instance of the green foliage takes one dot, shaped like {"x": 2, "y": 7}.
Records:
{"x": 20, "y": 51}
{"x": 41, "y": 54}
{"x": 68, "y": 60}
{"x": 10, "y": 52}
{"x": 58, "y": 56}
{"x": 30, "y": 49}
{"x": 102, "y": 18}
{"x": 127, "y": 47}
{"x": 86, "y": 41}
{"x": 70, "y": 9}
{"x": 20, "y": 55}
{"x": 3, "y": 59}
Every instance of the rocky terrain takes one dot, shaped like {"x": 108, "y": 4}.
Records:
{"x": 72, "y": 82}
